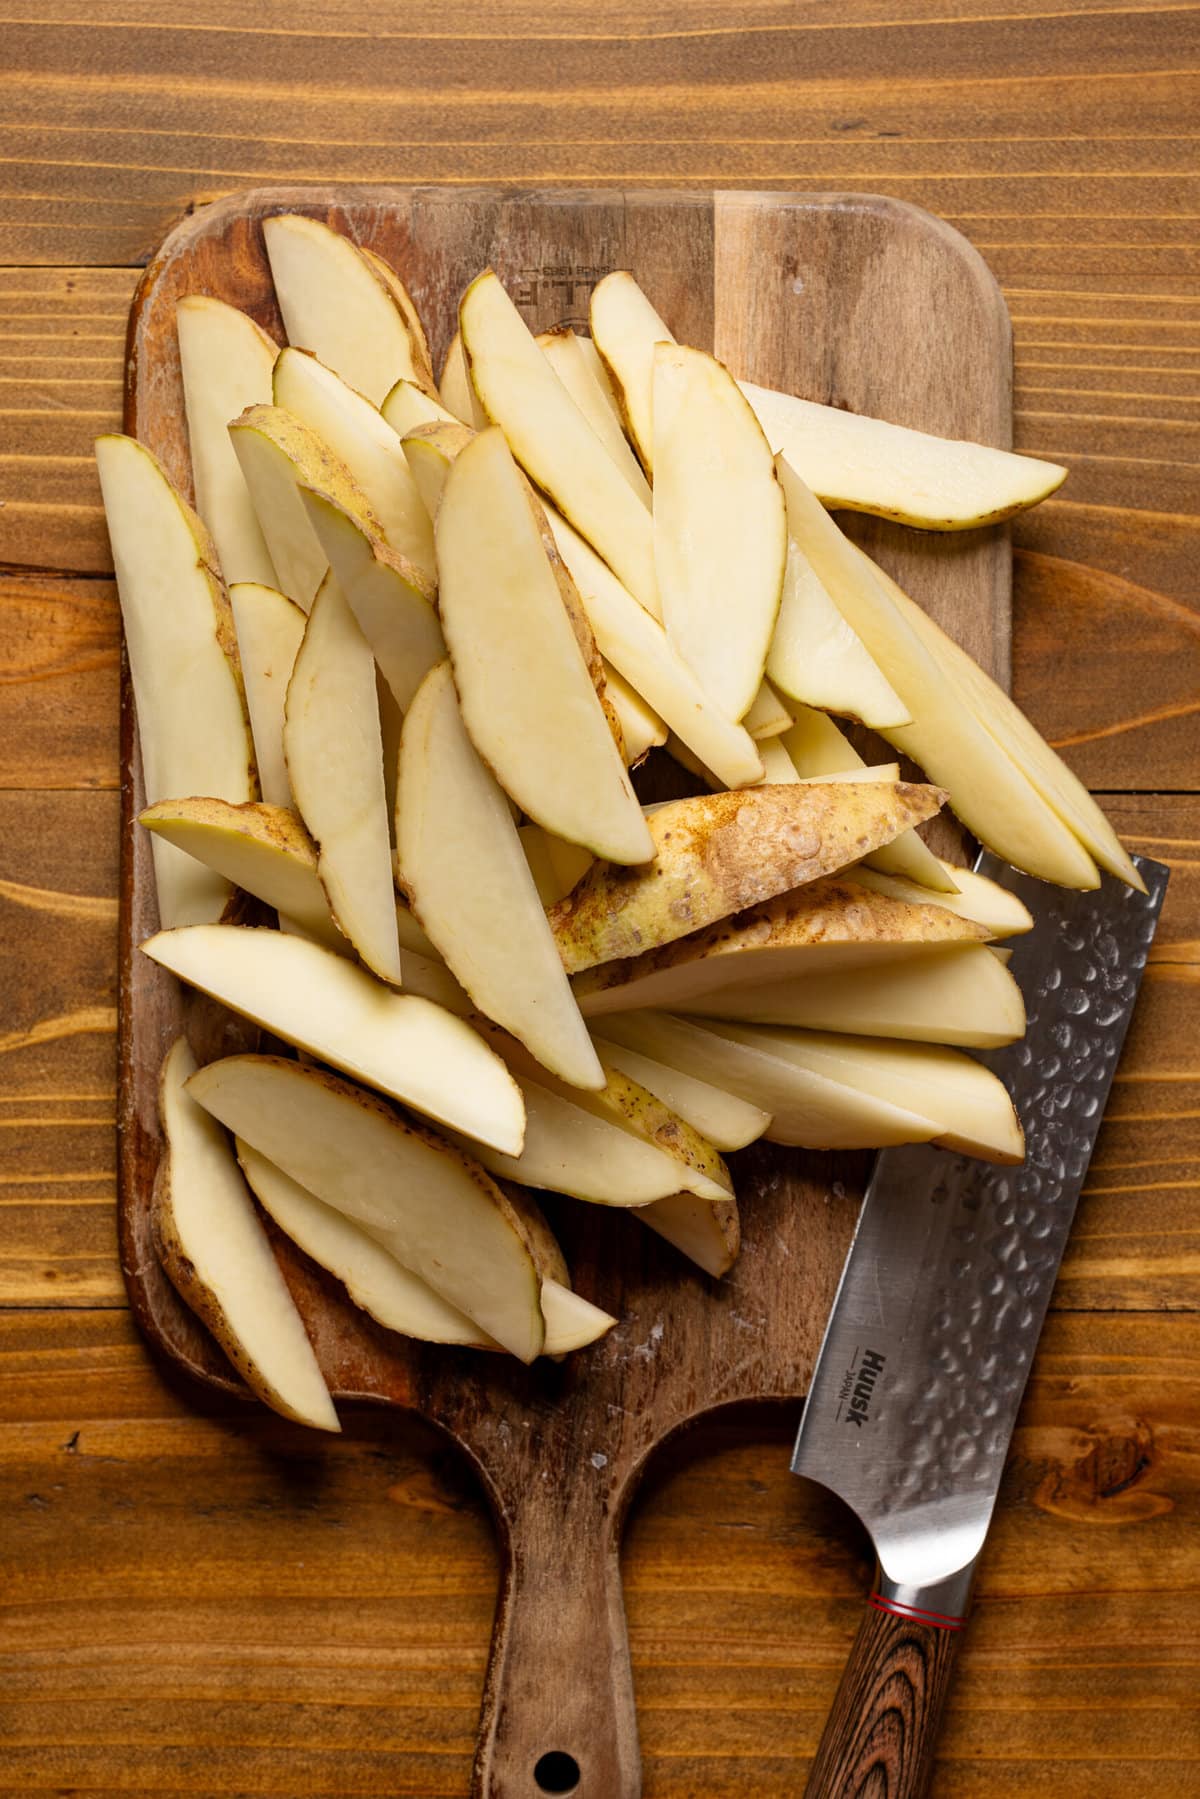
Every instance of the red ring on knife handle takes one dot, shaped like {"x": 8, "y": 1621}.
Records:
{"x": 937, "y": 1620}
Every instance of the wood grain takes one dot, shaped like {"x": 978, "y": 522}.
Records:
{"x": 295, "y": 1597}
{"x": 249, "y": 1612}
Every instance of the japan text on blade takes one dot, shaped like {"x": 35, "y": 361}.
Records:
{"x": 944, "y": 1292}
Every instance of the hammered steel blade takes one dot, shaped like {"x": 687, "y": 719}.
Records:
{"x": 941, "y": 1302}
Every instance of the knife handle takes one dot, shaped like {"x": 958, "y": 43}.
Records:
{"x": 880, "y": 1736}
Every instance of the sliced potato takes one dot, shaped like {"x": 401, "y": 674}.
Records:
{"x": 638, "y": 647}
{"x": 619, "y": 1147}
{"x": 270, "y": 630}
{"x": 279, "y": 455}
{"x": 709, "y": 1235}
{"x": 768, "y": 716}
{"x": 819, "y": 751}
{"x": 817, "y": 659}
{"x": 432, "y": 1208}
{"x": 387, "y": 595}
{"x": 859, "y": 464}
{"x": 806, "y": 1108}
{"x": 971, "y": 1105}
{"x": 215, "y": 1252}
{"x": 778, "y": 768}
{"x": 341, "y": 303}
{"x": 564, "y": 352}
{"x": 226, "y": 362}
{"x": 160, "y": 547}
{"x": 431, "y": 450}
{"x": 555, "y": 866}
{"x": 987, "y": 902}
{"x": 354, "y": 431}
{"x": 400, "y": 1043}
{"x": 962, "y": 995}
{"x": 641, "y": 729}
{"x": 625, "y": 328}
{"x": 465, "y": 873}
{"x": 1045, "y": 771}
{"x": 987, "y": 790}
{"x": 720, "y": 853}
{"x": 526, "y": 690}
{"x": 407, "y": 406}
{"x": 727, "y": 1121}
{"x": 814, "y": 930}
{"x": 334, "y": 749}
{"x": 572, "y": 1322}
{"x": 422, "y": 360}
{"x": 455, "y": 390}
{"x": 552, "y": 440}
{"x": 719, "y": 526}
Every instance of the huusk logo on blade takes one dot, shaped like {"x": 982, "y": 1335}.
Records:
{"x": 858, "y": 1386}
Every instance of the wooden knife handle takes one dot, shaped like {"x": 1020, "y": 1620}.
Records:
{"x": 558, "y": 1714}
{"x": 880, "y": 1736}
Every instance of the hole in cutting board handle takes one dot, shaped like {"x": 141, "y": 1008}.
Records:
{"x": 556, "y": 1772}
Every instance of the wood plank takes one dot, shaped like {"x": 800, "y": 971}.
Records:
{"x": 318, "y": 1611}
{"x": 1136, "y": 1242}
{"x": 59, "y": 682}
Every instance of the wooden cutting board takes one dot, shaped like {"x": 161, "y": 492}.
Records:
{"x": 858, "y": 301}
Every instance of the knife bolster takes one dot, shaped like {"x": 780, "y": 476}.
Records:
{"x": 942, "y": 1605}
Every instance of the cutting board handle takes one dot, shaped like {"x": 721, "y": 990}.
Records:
{"x": 880, "y": 1736}
{"x": 558, "y": 1713}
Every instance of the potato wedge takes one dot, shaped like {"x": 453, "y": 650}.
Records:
{"x": 279, "y": 456}
{"x": 825, "y": 926}
{"x": 406, "y": 406}
{"x": 160, "y": 546}
{"x": 859, "y": 464}
{"x": 768, "y": 716}
{"x": 818, "y": 750}
{"x": 431, "y": 449}
{"x": 552, "y": 440}
{"x": 462, "y": 866}
{"x": 341, "y": 302}
{"x": 807, "y": 1109}
{"x": 388, "y": 596}
{"x": 226, "y": 362}
{"x": 526, "y": 690}
{"x": 354, "y": 431}
{"x": 433, "y": 1208}
{"x": 709, "y": 1235}
{"x": 334, "y": 749}
{"x": 818, "y": 660}
{"x": 563, "y": 351}
{"x": 987, "y": 902}
{"x": 641, "y": 729}
{"x": 720, "y": 853}
{"x": 987, "y": 790}
{"x": 213, "y": 1248}
{"x": 719, "y": 525}
{"x": 970, "y": 1104}
{"x": 727, "y": 1121}
{"x": 402, "y": 1044}
{"x": 455, "y": 390}
{"x": 270, "y": 630}
{"x": 962, "y": 995}
{"x": 640, "y": 650}
{"x": 625, "y": 328}
{"x": 1045, "y": 771}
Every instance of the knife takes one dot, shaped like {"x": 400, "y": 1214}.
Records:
{"x": 937, "y": 1316}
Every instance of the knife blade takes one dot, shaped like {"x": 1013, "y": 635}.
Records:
{"x": 920, "y": 1376}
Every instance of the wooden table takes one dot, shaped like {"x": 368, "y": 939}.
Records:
{"x": 203, "y": 1600}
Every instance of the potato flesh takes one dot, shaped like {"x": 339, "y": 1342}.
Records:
{"x": 406, "y": 406}
{"x": 961, "y": 995}
{"x": 727, "y": 1121}
{"x": 226, "y": 363}
{"x": 334, "y": 749}
{"x": 625, "y": 328}
{"x": 355, "y": 432}
{"x": 231, "y": 1278}
{"x": 270, "y": 630}
{"x": 720, "y": 539}
{"x": 402, "y": 1044}
{"x": 562, "y": 351}
{"x": 469, "y": 882}
{"x": 159, "y": 547}
{"x": 334, "y": 304}
{"x": 526, "y": 692}
{"x": 768, "y": 716}
{"x": 437, "y": 1213}
{"x": 865, "y": 465}
{"x": 552, "y": 440}
{"x": 817, "y": 659}
{"x": 987, "y": 902}
{"x": 708, "y": 1235}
